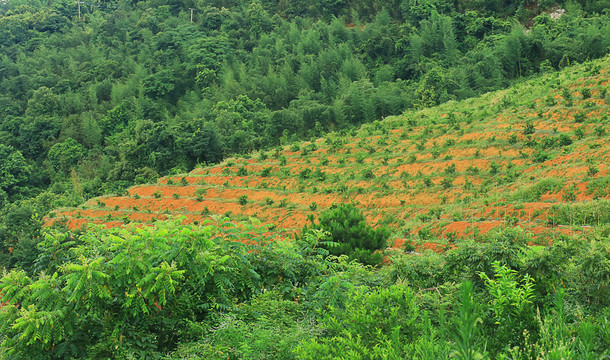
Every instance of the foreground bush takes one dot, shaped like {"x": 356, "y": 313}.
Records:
{"x": 225, "y": 291}
{"x": 120, "y": 292}
{"x": 350, "y": 234}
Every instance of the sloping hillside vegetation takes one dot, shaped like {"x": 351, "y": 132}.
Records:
{"x": 535, "y": 156}
{"x": 132, "y": 90}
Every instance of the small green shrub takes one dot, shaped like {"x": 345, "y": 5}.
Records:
{"x": 564, "y": 140}
{"x": 494, "y": 168}
{"x": 447, "y": 183}
{"x": 350, "y": 234}
{"x": 319, "y": 175}
{"x": 472, "y": 170}
{"x": 541, "y": 156}
{"x": 579, "y": 117}
{"x": 569, "y": 194}
{"x": 512, "y": 305}
{"x": 283, "y": 160}
{"x": 368, "y": 174}
{"x": 467, "y": 344}
{"x": 567, "y": 96}
{"x": 305, "y": 174}
{"x": 592, "y": 170}
{"x": 450, "y": 169}
{"x": 513, "y": 139}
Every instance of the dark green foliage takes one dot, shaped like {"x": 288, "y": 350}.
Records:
{"x": 501, "y": 245}
{"x": 305, "y": 174}
{"x": 450, "y": 169}
{"x": 592, "y": 170}
{"x": 533, "y": 192}
{"x": 494, "y": 168}
{"x": 368, "y": 174}
{"x": 529, "y": 128}
{"x": 118, "y": 297}
{"x": 319, "y": 175}
{"x": 447, "y": 183}
{"x": 381, "y": 319}
{"x": 19, "y": 235}
{"x": 201, "y": 143}
{"x": 350, "y": 234}
{"x": 580, "y": 117}
{"x": 15, "y": 175}
{"x": 579, "y": 133}
{"x": 267, "y": 327}
{"x": 599, "y": 131}
{"x": 564, "y": 140}
{"x": 64, "y": 156}
{"x": 541, "y": 156}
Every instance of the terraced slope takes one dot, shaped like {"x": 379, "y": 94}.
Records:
{"x": 536, "y": 156}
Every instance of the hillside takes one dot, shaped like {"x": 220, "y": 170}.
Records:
{"x": 96, "y": 97}
{"x": 536, "y": 155}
